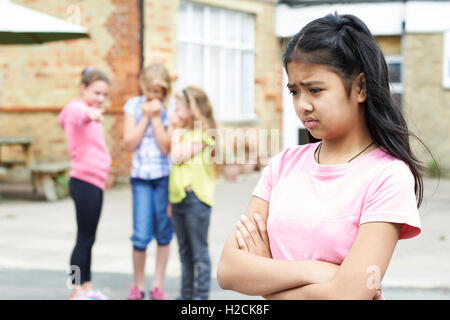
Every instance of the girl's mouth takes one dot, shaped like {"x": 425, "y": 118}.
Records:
{"x": 311, "y": 124}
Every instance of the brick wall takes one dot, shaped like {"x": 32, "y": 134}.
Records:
{"x": 38, "y": 80}
{"x": 390, "y": 45}
{"x": 427, "y": 103}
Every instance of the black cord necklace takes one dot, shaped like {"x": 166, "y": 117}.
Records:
{"x": 320, "y": 148}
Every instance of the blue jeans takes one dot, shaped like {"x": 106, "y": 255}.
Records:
{"x": 150, "y": 220}
{"x": 191, "y": 222}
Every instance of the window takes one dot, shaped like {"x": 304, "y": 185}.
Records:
{"x": 446, "y": 67}
{"x": 216, "y": 52}
{"x": 395, "y": 69}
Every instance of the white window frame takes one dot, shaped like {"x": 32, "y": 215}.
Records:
{"x": 446, "y": 61}
{"x": 243, "y": 108}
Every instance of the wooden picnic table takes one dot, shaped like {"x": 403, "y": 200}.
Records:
{"x": 50, "y": 176}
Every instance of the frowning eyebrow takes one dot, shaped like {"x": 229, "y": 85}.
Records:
{"x": 305, "y": 84}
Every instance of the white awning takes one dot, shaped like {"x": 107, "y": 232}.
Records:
{"x": 19, "y": 24}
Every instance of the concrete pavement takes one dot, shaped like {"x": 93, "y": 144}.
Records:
{"x": 36, "y": 239}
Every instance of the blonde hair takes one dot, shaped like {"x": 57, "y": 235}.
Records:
{"x": 156, "y": 74}
{"x": 198, "y": 102}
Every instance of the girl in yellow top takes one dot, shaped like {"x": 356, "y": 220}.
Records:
{"x": 191, "y": 188}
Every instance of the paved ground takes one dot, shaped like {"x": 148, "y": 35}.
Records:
{"x": 36, "y": 239}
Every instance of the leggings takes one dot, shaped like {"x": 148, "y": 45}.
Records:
{"x": 88, "y": 205}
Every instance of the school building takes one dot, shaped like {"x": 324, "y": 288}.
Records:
{"x": 415, "y": 39}
{"x": 232, "y": 48}
{"x": 228, "y": 47}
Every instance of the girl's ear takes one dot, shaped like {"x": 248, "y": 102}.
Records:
{"x": 82, "y": 87}
{"x": 360, "y": 87}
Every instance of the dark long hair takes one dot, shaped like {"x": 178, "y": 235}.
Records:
{"x": 345, "y": 45}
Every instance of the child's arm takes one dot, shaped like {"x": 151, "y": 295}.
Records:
{"x": 134, "y": 131}
{"x": 250, "y": 274}
{"x": 183, "y": 151}
{"x": 162, "y": 135}
{"x": 152, "y": 109}
{"x": 360, "y": 275}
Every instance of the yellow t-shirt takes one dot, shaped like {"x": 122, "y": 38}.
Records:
{"x": 198, "y": 172}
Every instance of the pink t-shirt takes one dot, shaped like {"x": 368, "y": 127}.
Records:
{"x": 90, "y": 159}
{"x": 315, "y": 210}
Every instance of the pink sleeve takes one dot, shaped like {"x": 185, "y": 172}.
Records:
{"x": 268, "y": 179}
{"x": 392, "y": 199}
{"x": 77, "y": 114}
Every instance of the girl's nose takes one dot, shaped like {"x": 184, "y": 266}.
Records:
{"x": 304, "y": 106}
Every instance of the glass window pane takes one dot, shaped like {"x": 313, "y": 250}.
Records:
{"x": 230, "y": 83}
{"x": 196, "y": 73}
{"x": 248, "y": 83}
{"x": 230, "y": 22}
{"x": 197, "y": 22}
{"x": 216, "y": 79}
{"x": 395, "y": 72}
{"x": 182, "y": 20}
{"x": 181, "y": 65}
{"x": 216, "y": 24}
{"x": 247, "y": 34}
{"x": 228, "y": 71}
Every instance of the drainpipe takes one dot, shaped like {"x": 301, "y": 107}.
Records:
{"x": 403, "y": 54}
{"x": 141, "y": 31}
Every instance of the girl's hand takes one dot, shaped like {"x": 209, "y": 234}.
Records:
{"x": 151, "y": 109}
{"x": 96, "y": 114}
{"x": 175, "y": 121}
{"x": 169, "y": 211}
{"x": 251, "y": 238}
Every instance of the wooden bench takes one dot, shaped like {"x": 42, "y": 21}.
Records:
{"x": 52, "y": 178}
{"x": 3, "y": 172}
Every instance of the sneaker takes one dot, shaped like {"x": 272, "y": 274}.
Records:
{"x": 157, "y": 294}
{"x": 136, "y": 294}
{"x": 96, "y": 295}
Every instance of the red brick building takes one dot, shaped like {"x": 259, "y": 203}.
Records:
{"x": 37, "y": 81}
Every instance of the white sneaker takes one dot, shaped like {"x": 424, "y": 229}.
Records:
{"x": 96, "y": 295}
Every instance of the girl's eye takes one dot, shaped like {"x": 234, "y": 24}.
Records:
{"x": 314, "y": 90}
{"x": 293, "y": 92}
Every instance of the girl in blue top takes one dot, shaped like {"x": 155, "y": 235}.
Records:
{"x": 147, "y": 134}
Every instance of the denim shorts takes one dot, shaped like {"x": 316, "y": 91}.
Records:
{"x": 150, "y": 220}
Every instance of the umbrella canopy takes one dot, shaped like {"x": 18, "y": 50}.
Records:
{"x": 21, "y": 25}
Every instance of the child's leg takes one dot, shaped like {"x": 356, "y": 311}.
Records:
{"x": 197, "y": 222}
{"x": 163, "y": 229}
{"x": 139, "y": 268}
{"x": 185, "y": 251}
{"x": 142, "y": 227}
{"x": 88, "y": 203}
{"x": 162, "y": 257}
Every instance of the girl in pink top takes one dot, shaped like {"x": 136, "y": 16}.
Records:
{"x": 82, "y": 120}
{"x": 325, "y": 217}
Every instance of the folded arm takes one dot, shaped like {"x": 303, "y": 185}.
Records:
{"x": 360, "y": 274}
{"x": 251, "y": 274}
